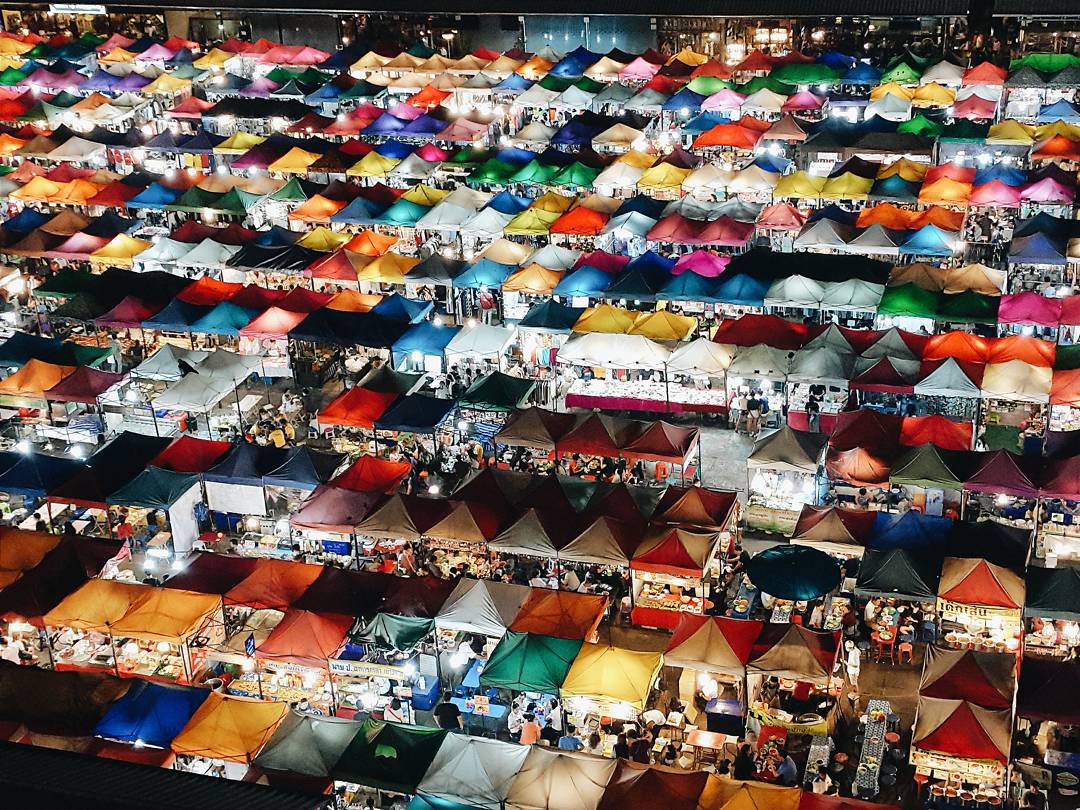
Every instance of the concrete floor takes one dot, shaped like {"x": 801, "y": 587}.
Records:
{"x": 723, "y": 458}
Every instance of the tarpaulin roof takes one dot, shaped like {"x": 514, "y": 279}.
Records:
{"x": 606, "y": 541}
{"x": 84, "y": 384}
{"x": 1046, "y": 690}
{"x": 497, "y": 392}
{"x": 333, "y": 509}
{"x": 304, "y": 638}
{"x": 897, "y": 572}
{"x": 150, "y": 713}
{"x": 96, "y": 605}
{"x": 712, "y": 643}
{"x": 695, "y": 507}
{"x": 304, "y": 468}
{"x": 611, "y": 674}
{"x": 725, "y": 793}
{"x": 793, "y": 572}
{"x": 935, "y": 429}
{"x": 1053, "y": 593}
{"x": 479, "y": 606}
{"x": 1003, "y": 472}
{"x": 273, "y": 585}
{"x": 793, "y": 651}
{"x": 35, "y": 474}
{"x": 166, "y": 614}
{"x": 560, "y": 614}
{"x": 980, "y": 678}
{"x": 978, "y": 582}
{"x": 857, "y": 466}
{"x": 930, "y": 467}
{"x": 389, "y": 756}
{"x": 357, "y": 407}
{"x": 229, "y": 728}
{"x": 307, "y": 745}
{"x": 471, "y": 771}
{"x": 826, "y": 526}
{"x": 154, "y": 488}
{"x": 675, "y": 551}
{"x": 961, "y": 729}
{"x": 33, "y": 380}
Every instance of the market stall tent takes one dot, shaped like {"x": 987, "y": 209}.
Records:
{"x": 389, "y": 756}
{"x": 1047, "y": 691}
{"x": 978, "y": 582}
{"x": 795, "y": 652}
{"x": 982, "y": 679}
{"x": 611, "y": 674}
{"x": 634, "y": 784}
{"x": 723, "y": 793}
{"x": 560, "y": 780}
{"x": 1053, "y": 593}
{"x": 480, "y": 606}
{"x": 898, "y": 573}
{"x": 961, "y": 729}
{"x": 151, "y": 713}
{"x": 307, "y": 745}
{"x": 229, "y": 728}
{"x": 712, "y": 643}
{"x": 473, "y": 771}
{"x": 529, "y": 662}
{"x": 560, "y": 613}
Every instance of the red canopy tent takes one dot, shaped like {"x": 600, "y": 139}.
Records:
{"x": 883, "y": 376}
{"x": 957, "y": 345}
{"x": 1031, "y": 350}
{"x": 357, "y": 407}
{"x": 717, "y": 643}
{"x": 273, "y": 584}
{"x": 750, "y": 330}
{"x": 305, "y": 638}
{"x": 596, "y": 435}
{"x": 985, "y": 679}
{"x": 867, "y": 429}
{"x": 1004, "y": 472}
{"x": 207, "y": 291}
{"x": 978, "y": 582}
{"x": 83, "y": 385}
{"x": 662, "y": 441}
{"x": 130, "y": 312}
{"x": 372, "y": 474}
{"x": 634, "y": 785}
{"x": 961, "y": 729}
{"x": 857, "y": 467}
{"x": 190, "y": 454}
{"x": 937, "y": 430}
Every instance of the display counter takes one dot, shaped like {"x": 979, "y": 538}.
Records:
{"x": 644, "y": 395}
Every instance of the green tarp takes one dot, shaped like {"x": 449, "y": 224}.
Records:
{"x": 526, "y": 662}
{"x": 969, "y": 307}
{"x": 497, "y": 392}
{"x": 1053, "y": 593}
{"x": 902, "y": 73}
{"x": 909, "y": 300}
{"x": 389, "y": 756}
{"x": 1045, "y": 62}
{"x": 153, "y": 488}
{"x": 388, "y": 631}
{"x": 925, "y": 467}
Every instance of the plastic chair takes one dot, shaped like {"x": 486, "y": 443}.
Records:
{"x": 905, "y": 649}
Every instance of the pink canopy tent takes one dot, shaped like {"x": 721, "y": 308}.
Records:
{"x": 638, "y": 70}
{"x": 995, "y": 193}
{"x": 294, "y": 55}
{"x": 701, "y": 262}
{"x": 727, "y": 232}
{"x": 155, "y": 53}
{"x": 115, "y": 41}
{"x": 675, "y": 228}
{"x": 724, "y": 99}
{"x": 1048, "y": 190}
{"x": 804, "y": 101}
{"x": 781, "y": 217}
{"x": 975, "y": 108}
{"x": 1029, "y": 307}
{"x": 1070, "y": 311}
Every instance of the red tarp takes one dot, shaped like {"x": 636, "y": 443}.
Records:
{"x": 357, "y": 407}
{"x": 980, "y": 586}
{"x": 962, "y": 735}
{"x": 84, "y": 385}
{"x": 937, "y": 430}
{"x": 372, "y": 474}
{"x": 305, "y": 638}
{"x": 883, "y": 376}
{"x": 750, "y": 330}
{"x": 858, "y": 467}
{"x": 870, "y": 430}
{"x": 959, "y": 346}
{"x": 190, "y": 454}
{"x": 273, "y": 584}
{"x": 208, "y": 291}
{"x": 967, "y": 680}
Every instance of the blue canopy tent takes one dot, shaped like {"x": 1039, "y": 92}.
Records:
{"x": 514, "y": 84}
{"x": 705, "y": 121}
{"x": 150, "y": 713}
{"x": 689, "y": 287}
{"x": 551, "y": 316}
{"x": 1060, "y": 110}
{"x": 304, "y": 468}
{"x": 929, "y": 240}
{"x": 909, "y": 530}
{"x": 349, "y": 329}
{"x": 423, "y": 339}
{"x": 515, "y": 155}
{"x": 641, "y": 204}
{"x": 555, "y": 157}
{"x": 638, "y": 284}
{"x": 837, "y": 60}
{"x": 485, "y": 273}
{"x": 652, "y": 262}
{"x": 506, "y": 203}
{"x": 1009, "y": 175}
{"x": 400, "y": 308}
{"x": 1036, "y": 249}
{"x": 154, "y": 197}
{"x": 277, "y": 236}
{"x": 385, "y": 124}
{"x": 416, "y": 413}
{"x": 153, "y": 488}
{"x": 424, "y": 126}
{"x": 360, "y": 211}
{"x": 224, "y": 319}
{"x": 576, "y": 132}
{"x": 246, "y": 464}
{"x": 178, "y": 316}
{"x": 740, "y": 289}
{"x": 862, "y": 73}
{"x": 397, "y": 149}
{"x": 586, "y": 281}
{"x": 27, "y": 220}
{"x": 34, "y": 475}
{"x": 685, "y": 102}
{"x": 896, "y": 188}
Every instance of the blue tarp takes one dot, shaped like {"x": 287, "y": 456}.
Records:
{"x": 34, "y": 474}
{"x": 514, "y": 83}
{"x": 485, "y": 273}
{"x": 359, "y": 212}
{"x": 576, "y": 132}
{"x": 909, "y": 530}
{"x": 246, "y": 464}
{"x": 862, "y": 73}
{"x": 642, "y": 204}
{"x": 151, "y": 713}
{"x": 586, "y": 280}
{"x": 515, "y": 155}
{"x": 1036, "y": 249}
{"x": 426, "y": 338}
{"x": 224, "y": 319}
{"x": 650, "y": 261}
{"x": 154, "y": 197}
{"x": 506, "y": 203}
{"x": 686, "y": 100}
{"x": 705, "y": 121}
{"x": 400, "y": 308}
{"x": 1009, "y": 175}
{"x": 424, "y": 125}
{"x": 416, "y": 413}
{"x": 837, "y": 60}
{"x": 740, "y": 289}
{"x": 1060, "y": 110}
{"x": 27, "y": 220}
{"x": 178, "y": 316}
{"x": 304, "y": 468}
{"x": 690, "y": 287}
{"x": 929, "y": 240}
{"x": 396, "y": 149}
{"x": 277, "y": 237}
{"x": 385, "y": 124}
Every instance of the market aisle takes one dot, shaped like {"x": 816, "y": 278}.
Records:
{"x": 723, "y": 458}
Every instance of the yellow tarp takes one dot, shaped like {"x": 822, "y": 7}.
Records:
{"x": 370, "y": 60}
{"x": 689, "y": 57}
{"x": 323, "y": 239}
{"x": 295, "y": 161}
{"x": 169, "y": 615}
{"x": 607, "y": 319}
{"x": 532, "y": 280}
{"x": 230, "y": 728}
{"x": 503, "y": 251}
{"x": 908, "y": 169}
{"x": 933, "y": 95}
{"x": 213, "y": 59}
{"x": 238, "y": 143}
{"x": 12, "y": 46}
{"x": 424, "y": 195}
{"x": 1010, "y": 131}
{"x": 96, "y": 605}
{"x": 21, "y": 551}
{"x": 316, "y": 209}
{"x": 390, "y": 268}
{"x": 120, "y": 250}
{"x": 639, "y": 160}
{"x": 800, "y": 186}
{"x": 1066, "y": 130}
{"x": 34, "y": 379}
{"x": 846, "y": 186}
{"x": 663, "y": 325}
{"x": 892, "y": 89}
{"x": 722, "y": 793}
{"x": 354, "y": 301}
{"x": 39, "y": 188}
{"x": 553, "y": 203}
{"x": 531, "y": 222}
{"x": 612, "y": 674}
{"x": 167, "y": 83}
{"x": 116, "y": 56}
{"x": 372, "y": 165}
{"x": 663, "y": 175}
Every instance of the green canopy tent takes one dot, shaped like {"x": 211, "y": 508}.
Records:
{"x": 497, "y": 392}
{"x": 534, "y": 172}
{"x": 899, "y": 573}
{"x": 927, "y": 467}
{"x": 153, "y": 488}
{"x": 388, "y": 631}
{"x": 1053, "y": 593}
{"x": 901, "y": 73}
{"x": 527, "y": 662}
{"x": 65, "y": 283}
{"x": 389, "y": 756}
{"x": 810, "y": 73}
{"x": 908, "y": 300}
{"x": 968, "y": 307}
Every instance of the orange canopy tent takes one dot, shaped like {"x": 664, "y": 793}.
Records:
{"x": 560, "y": 613}
{"x": 370, "y": 243}
{"x": 305, "y": 638}
{"x": 230, "y": 728}
{"x": 357, "y": 407}
{"x": 34, "y": 379}
{"x": 273, "y": 585}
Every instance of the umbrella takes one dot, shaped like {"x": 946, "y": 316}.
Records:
{"x": 794, "y": 572}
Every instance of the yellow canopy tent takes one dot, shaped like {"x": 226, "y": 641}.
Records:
{"x": 21, "y": 551}
{"x": 1063, "y": 128}
{"x": 663, "y": 176}
{"x": 663, "y": 325}
{"x": 1011, "y": 132}
{"x": 214, "y": 58}
{"x": 323, "y": 239}
{"x": 390, "y": 268}
{"x": 422, "y": 194}
{"x": 11, "y": 46}
{"x": 640, "y": 160}
{"x": 552, "y": 203}
{"x": 892, "y": 89}
{"x": 612, "y": 675}
{"x": 238, "y": 143}
{"x": 354, "y": 301}
{"x": 166, "y": 84}
{"x": 372, "y": 165}
{"x": 847, "y": 186}
{"x": 531, "y": 222}
{"x": 933, "y": 95}
{"x": 689, "y": 57}
{"x": 800, "y": 186}
{"x": 295, "y": 161}
{"x": 166, "y": 614}
{"x": 722, "y": 793}
{"x": 120, "y": 250}
{"x": 116, "y": 56}
{"x": 369, "y": 61}
{"x": 907, "y": 168}
{"x": 532, "y": 280}
{"x": 503, "y": 251}
{"x": 96, "y": 605}
{"x": 229, "y": 728}
{"x": 606, "y": 318}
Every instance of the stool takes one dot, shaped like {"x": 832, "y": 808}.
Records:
{"x": 905, "y": 649}
{"x": 891, "y": 737}
{"x": 888, "y": 780}
{"x": 892, "y": 722}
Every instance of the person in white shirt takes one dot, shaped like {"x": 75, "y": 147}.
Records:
{"x": 853, "y": 663}
{"x": 555, "y": 715}
{"x": 570, "y": 580}
{"x": 515, "y": 719}
{"x": 11, "y": 651}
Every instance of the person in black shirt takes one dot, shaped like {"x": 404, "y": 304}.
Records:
{"x": 621, "y": 749}
{"x": 550, "y": 733}
{"x": 447, "y": 715}
{"x": 744, "y": 763}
